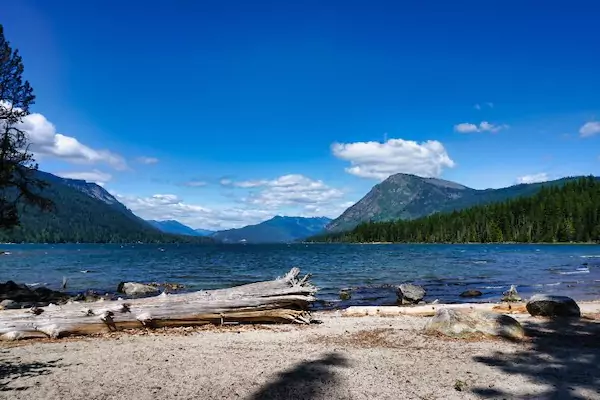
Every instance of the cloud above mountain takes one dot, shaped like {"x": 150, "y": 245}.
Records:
{"x": 47, "y": 142}
{"x": 378, "y": 160}
{"x": 252, "y": 201}
{"x": 95, "y": 176}
{"x": 293, "y": 189}
{"x": 533, "y": 178}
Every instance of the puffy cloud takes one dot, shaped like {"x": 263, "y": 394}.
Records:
{"x": 466, "y": 127}
{"x": 95, "y": 176}
{"x": 483, "y": 126}
{"x": 45, "y": 141}
{"x": 170, "y": 206}
{"x": 533, "y": 178}
{"x": 293, "y": 189}
{"x": 254, "y": 201}
{"x": 147, "y": 160}
{"x": 379, "y": 160}
{"x": 589, "y": 129}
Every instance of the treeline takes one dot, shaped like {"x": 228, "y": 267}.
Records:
{"x": 568, "y": 213}
{"x": 78, "y": 217}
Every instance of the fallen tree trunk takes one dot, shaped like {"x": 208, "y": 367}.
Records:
{"x": 283, "y": 300}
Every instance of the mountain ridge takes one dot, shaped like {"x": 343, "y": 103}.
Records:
{"x": 279, "y": 229}
{"x": 174, "y": 227}
{"x": 84, "y": 212}
{"x": 406, "y": 196}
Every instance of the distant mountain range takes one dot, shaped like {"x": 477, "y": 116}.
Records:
{"x": 84, "y": 212}
{"x": 404, "y": 196}
{"x": 177, "y": 228}
{"x": 276, "y": 230}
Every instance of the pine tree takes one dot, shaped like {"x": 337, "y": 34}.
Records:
{"x": 17, "y": 165}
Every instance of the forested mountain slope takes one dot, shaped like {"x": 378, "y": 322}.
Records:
{"x": 556, "y": 213}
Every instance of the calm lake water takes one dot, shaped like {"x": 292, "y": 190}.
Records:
{"x": 373, "y": 271}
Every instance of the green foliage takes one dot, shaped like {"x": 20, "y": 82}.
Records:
{"x": 565, "y": 213}
{"x": 403, "y": 196}
{"x": 79, "y": 217}
{"x": 17, "y": 166}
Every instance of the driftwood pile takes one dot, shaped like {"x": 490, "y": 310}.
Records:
{"x": 283, "y": 300}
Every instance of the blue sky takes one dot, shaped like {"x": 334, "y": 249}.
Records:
{"x": 225, "y": 113}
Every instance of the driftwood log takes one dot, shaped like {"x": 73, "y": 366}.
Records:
{"x": 283, "y": 300}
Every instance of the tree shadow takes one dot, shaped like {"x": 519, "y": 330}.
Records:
{"x": 11, "y": 371}
{"x": 563, "y": 354}
{"x": 307, "y": 380}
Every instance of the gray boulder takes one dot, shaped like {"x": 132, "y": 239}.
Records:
{"x": 552, "y": 306}
{"x": 471, "y": 293}
{"x": 135, "y": 289}
{"x": 9, "y": 305}
{"x": 345, "y": 294}
{"x": 464, "y": 323}
{"x": 410, "y": 294}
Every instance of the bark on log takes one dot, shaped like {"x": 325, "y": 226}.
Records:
{"x": 283, "y": 300}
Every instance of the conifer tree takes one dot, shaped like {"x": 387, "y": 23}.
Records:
{"x": 18, "y": 184}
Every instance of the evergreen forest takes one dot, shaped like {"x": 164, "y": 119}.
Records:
{"x": 555, "y": 214}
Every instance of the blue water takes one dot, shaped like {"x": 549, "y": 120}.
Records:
{"x": 373, "y": 271}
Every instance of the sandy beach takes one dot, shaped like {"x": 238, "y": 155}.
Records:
{"x": 342, "y": 357}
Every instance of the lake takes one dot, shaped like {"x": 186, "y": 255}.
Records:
{"x": 373, "y": 271}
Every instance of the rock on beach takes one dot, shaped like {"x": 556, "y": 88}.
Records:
{"x": 544, "y": 305}
{"x": 465, "y": 322}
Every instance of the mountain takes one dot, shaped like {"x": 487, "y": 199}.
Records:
{"x": 204, "y": 232}
{"x": 84, "y": 212}
{"x": 276, "y": 230}
{"x": 556, "y": 213}
{"x": 172, "y": 226}
{"x": 404, "y": 196}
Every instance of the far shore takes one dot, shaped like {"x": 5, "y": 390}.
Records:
{"x": 466, "y": 243}
{"x": 374, "y": 356}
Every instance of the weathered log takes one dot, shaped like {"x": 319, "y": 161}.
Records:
{"x": 283, "y": 300}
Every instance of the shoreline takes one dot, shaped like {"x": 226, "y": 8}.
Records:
{"x": 467, "y": 243}
{"x": 342, "y": 357}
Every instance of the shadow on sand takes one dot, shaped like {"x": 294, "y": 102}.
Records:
{"x": 564, "y": 355}
{"x": 11, "y": 371}
{"x": 308, "y": 380}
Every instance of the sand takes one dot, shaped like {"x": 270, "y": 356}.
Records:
{"x": 369, "y": 357}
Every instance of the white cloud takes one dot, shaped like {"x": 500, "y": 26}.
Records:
{"x": 45, "y": 141}
{"x": 95, "y": 176}
{"x": 590, "y": 129}
{"x": 379, "y": 160}
{"x": 147, "y": 160}
{"x": 533, "y": 178}
{"x": 288, "y": 190}
{"x": 254, "y": 201}
{"x": 170, "y": 206}
{"x": 490, "y": 105}
{"x": 483, "y": 126}
{"x": 466, "y": 127}
{"x": 477, "y": 106}
{"x": 194, "y": 183}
